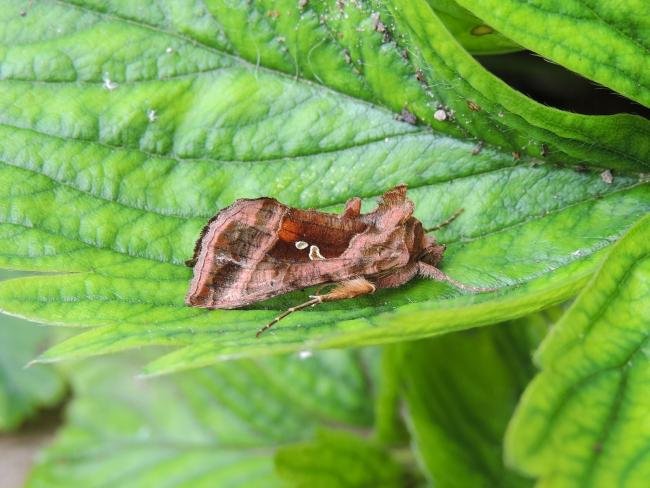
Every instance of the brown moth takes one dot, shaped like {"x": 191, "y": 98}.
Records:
{"x": 260, "y": 248}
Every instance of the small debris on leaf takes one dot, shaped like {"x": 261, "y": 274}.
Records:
{"x": 607, "y": 176}
{"x": 473, "y": 106}
{"x": 407, "y": 116}
{"x": 377, "y": 24}
{"x": 481, "y": 30}
{"x": 109, "y": 85}
{"x": 347, "y": 56}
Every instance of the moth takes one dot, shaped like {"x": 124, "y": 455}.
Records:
{"x": 260, "y": 248}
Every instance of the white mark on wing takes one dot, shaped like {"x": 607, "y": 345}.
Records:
{"x": 314, "y": 253}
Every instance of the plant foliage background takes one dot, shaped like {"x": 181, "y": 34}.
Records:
{"x": 124, "y": 126}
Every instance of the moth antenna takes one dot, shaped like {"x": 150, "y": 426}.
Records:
{"x": 316, "y": 299}
{"x": 444, "y": 223}
{"x": 428, "y": 271}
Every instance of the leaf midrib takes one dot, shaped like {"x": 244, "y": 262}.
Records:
{"x": 184, "y": 216}
{"x": 182, "y": 160}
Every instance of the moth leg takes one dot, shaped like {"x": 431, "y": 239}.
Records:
{"x": 397, "y": 277}
{"x": 427, "y": 271}
{"x": 445, "y": 223}
{"x": 348, "y": 289}
{"x": 345, "y": 289}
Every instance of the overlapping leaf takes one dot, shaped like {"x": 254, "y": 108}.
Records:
{"x": 217, "y": 426}
{"x": 113, "y": 154}
{"x": 473, "y": 33}
{"x": 584, "y": 419}
{"x": 24, "y": 391}
{"x": 460, "y": 390}
{"x": 508, "y": 119}
{"x": 606, "y": 42}
{"x": 338, "y": 459}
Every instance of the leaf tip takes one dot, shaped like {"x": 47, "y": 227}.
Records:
{"x": 39, "y": 360}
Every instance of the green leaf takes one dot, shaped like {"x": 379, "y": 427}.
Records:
{"x": 123, "y": 129}
{"x": 470, "y": 31}
{"x": 603, "y": 41}
{"x": 24, "y": 390}
{"x": 584, "y": 419}
{"x": 390, "y": 428}
{"x": 460, "y": 390}
{"x": 215, "y": 426}
{"x": 338, "y": 459}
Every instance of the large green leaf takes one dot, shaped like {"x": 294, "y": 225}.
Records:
{"x": 123, "y": 129}
{"x": 584, "y": 419}
{"x": 460, "y": 390}
{"x": 24, "y": 390}
{"x": 604, "y": 41}
{"x": 338, "y": 459}
{"x": 217, "y": 426}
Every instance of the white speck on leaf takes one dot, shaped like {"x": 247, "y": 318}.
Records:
{"x": 151, "y": 115}
{"x": 109, "y": 85}
{"x": 440, "y": 115}
{"x": 607, "y": 176}
{"x": 305, "y": 354}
